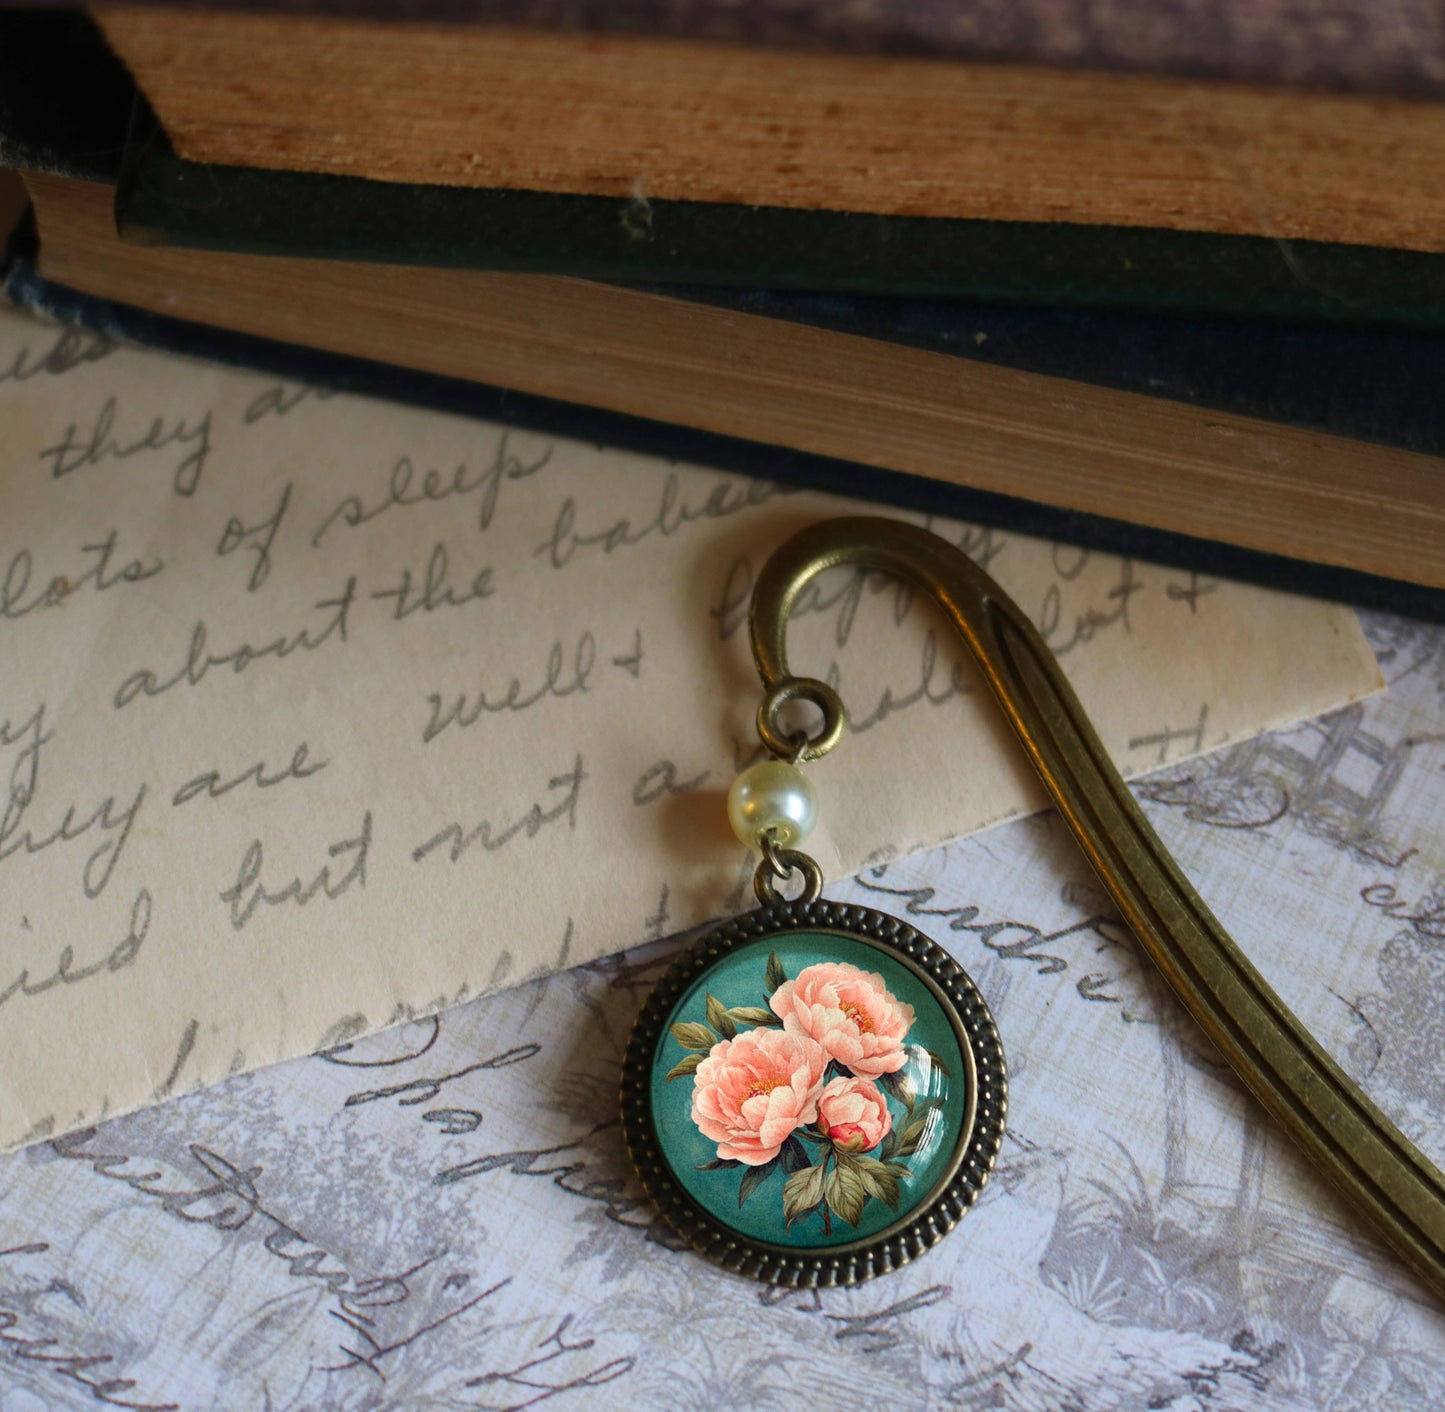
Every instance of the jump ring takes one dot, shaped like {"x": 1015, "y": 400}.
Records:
{"x": 773, "y": 856}
{"x": 765, "y": 886}
{"x": 784, "y": 744}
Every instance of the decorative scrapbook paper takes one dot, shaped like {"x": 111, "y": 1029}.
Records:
{"x": 443, "y": 1216}
{"x": 318, "y": 714}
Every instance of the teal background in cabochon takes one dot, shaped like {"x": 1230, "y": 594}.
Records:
{"x": 738, "y": 979}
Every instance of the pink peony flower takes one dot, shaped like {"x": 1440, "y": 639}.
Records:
{"x": 854, "y": 1113}
{"x": 752, "y": 1092}
{"x": 850, "y": 1013}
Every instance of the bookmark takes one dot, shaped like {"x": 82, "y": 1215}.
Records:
{"x": 815, "y": 1093}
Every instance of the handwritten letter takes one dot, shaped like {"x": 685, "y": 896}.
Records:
{"x": 317, "y": 714}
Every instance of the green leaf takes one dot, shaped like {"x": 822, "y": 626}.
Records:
{"x": 753, "y": 1178}
{"x": 717, "y": 1164}
{"x": 938, "y": 1063}
{"x": 794, "y": 1155}
{"x": 907, "y": 1089}
{"x": 692, "y": 1036}
{"x": 878, "y": 1178}
{"x": 899, "y": 1086}
{"x": 916, "y": 1129}
{"x": 802, "y": 1192}
{"x": 753, "y": 1015}
{"x": 717, "y": 1017}
{"x": 908, "y": 1143}
{"x": 867, "y": 1164}
{"x": 775, "y": 975}
{"x": 912, "y": 1136}
{"x": 685, "y": 1066}
{"x": 845, "y": 1189}
{"x": 890, "y": 1143}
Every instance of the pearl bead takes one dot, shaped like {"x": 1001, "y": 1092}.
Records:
{"x": 772, "y": 795}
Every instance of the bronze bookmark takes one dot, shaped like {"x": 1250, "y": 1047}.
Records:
{"x": 1386, "y": 1179}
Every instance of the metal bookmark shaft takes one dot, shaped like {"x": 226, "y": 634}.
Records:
{"x": 1380, "y": 1172}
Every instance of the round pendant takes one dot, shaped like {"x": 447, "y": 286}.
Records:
{"x": 814, "y": 1094}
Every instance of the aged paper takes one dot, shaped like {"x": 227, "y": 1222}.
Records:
{"x": 443, "y": 1216}
{"x": 318, "y": 713}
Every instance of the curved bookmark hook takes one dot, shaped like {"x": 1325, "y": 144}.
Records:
{"x": 1381, "y": 1173}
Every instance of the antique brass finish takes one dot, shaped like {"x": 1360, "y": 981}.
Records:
{"x": 778, "y": 865}
{"x": 793, "y": 748}
{"x": 925, "y": 1217}
{"x": 1380, "y": 1172}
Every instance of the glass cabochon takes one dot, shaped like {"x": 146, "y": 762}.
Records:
{"x": 810, "y": 1090}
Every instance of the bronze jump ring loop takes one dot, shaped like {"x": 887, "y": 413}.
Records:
{"x": 784, "y": 744}
{"x": 765, "y": 885}
{"x": 773, "y": 856}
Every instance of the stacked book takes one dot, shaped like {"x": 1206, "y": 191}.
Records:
{"x": 1168, "y": 280}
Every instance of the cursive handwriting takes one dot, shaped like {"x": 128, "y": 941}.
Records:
{"x": 72, "y": 347}
{"x": 871, "y": 1328}
{"x": 31, "y": 735}
{"x": 121, "y": 955}
{"x": 1190, "y": 736}
{"x": 428, "y": 1090}
{"x": 1091, "y": 621}
{"x": 106, "y": 817}
{"x": 928, "y": 692}
{"x": 674, "y": 510}
{"x": 76, "y": 450}
{"x": 434, "y": 591}
{"x": 1011, "y": 940}
{"x": 43, "y": 1353}
{"x": 258, "y": 538}
{"x": 225, "y": 1204}
{"x": 1427, "y": 918}
{"x": 527, "y": 1377}
{"x": 231, "y": 1201}
{"x": 842, "y": 592}
{"x": 370, "y": 1356}
{"x": 247, "y": 893}
{"x": 529, "y": 825}
{"x": 211, "y": 785}
{"x": 660, "y": 781}
{"x": 98, "y": 575}
{"x": 279, "y": 400}
{"x": 199, "y": 661}
{"x": 429, "y": 1027}
{"x": 578, "y": 1173}
{"x": 405, "y": 489}
{"x": 566, "y": 674}
{"x": 1191, "y": 592}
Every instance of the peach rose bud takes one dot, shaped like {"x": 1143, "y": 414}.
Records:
{"x": 854, "y": 1114}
